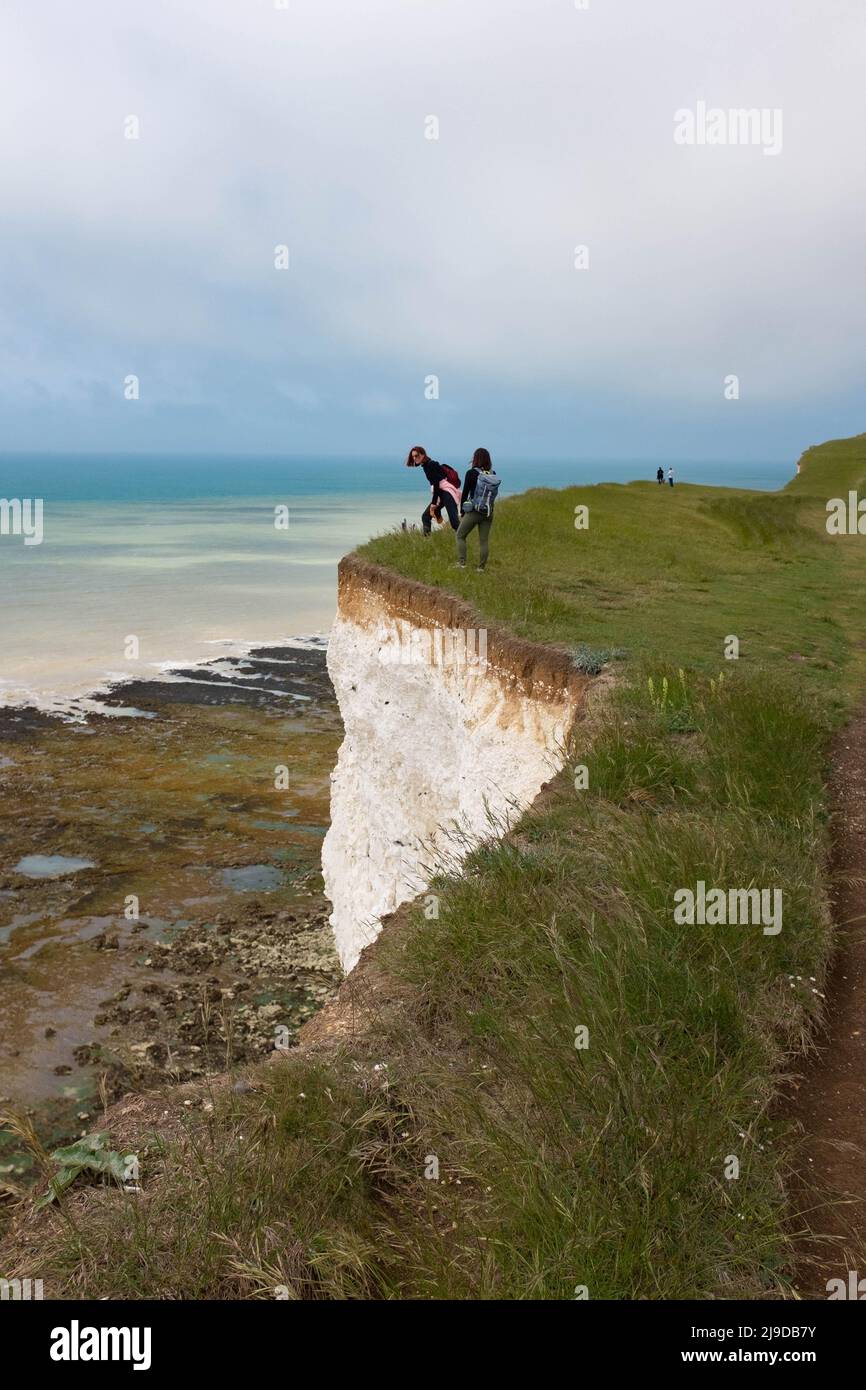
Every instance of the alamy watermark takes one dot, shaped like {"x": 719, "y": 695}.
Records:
{"x": 459, "y": 647}
{"x": 846, "y": 518}
{"x": 22, "y": 516}
{"x": 21, "y": 1290}
{"x": 77, "y": 1343}
{"x": 720, "y": 907}
{"x": 854, "y": 1289}
{"x": 713, "y": 125}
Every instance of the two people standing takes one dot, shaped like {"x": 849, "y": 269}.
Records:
{"x": 476, "y": 501}
{"x": 660, "y": 477}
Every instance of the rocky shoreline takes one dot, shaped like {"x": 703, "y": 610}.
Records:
{"x": 161, "y": 906}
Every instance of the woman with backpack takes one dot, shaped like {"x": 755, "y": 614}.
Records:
{"x": 480, "y": 487}
{"x": 445, "y": 484}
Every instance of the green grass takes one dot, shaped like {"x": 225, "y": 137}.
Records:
{"x": 666, "y": 574}
{"x": 562, "y": 1167}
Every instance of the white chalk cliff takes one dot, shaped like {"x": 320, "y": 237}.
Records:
{"x": 450, "y": 732}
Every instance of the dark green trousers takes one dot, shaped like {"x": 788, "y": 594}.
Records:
{"x": 468, "y": 522}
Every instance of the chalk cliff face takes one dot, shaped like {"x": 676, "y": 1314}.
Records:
{"x": 450, "y": 732}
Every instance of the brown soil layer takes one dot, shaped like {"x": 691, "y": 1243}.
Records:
{"x": 529, "y": 668}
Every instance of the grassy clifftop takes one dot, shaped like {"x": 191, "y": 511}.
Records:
{"x": 666, "y": 573}
{"x": 553, "y": 1109}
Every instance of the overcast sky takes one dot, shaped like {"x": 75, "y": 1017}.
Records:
{"x": 409, "y": 257}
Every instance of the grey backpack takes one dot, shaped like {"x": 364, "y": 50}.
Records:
{"x": 486, "y": 487}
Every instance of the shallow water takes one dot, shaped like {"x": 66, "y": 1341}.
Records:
{"x": 178, "y": 816}
{"x": 50, "y": 865}
{"x": 253, "y": 878}
{"x": 183, "y": 555}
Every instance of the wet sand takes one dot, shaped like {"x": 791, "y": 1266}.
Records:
{"x": 199, "y": 937}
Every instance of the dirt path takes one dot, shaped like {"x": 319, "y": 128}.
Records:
{"x": 830, "y": 1096}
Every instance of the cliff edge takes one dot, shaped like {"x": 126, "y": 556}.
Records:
{"x": 451, "y": 729}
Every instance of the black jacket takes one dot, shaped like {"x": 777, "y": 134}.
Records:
{"x": 469, "y": 487}
{"x": 434, "y": 473}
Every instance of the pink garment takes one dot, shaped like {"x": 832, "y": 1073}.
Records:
{"x": 456, "y": 492}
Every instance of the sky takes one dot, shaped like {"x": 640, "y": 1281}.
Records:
{"x": 434, "y": 292}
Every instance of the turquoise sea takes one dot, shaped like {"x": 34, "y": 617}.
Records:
{"x": 182, "y": 552}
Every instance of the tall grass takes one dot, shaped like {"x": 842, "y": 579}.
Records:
{"x": 477, "y": 1143}
{"x": 560, "y": 1166}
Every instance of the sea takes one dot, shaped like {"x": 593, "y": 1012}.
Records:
{"x": 150, "y": 563}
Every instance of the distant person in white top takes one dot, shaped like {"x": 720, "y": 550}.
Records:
{"x": 671, "y": 476}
